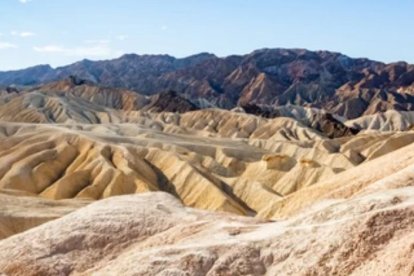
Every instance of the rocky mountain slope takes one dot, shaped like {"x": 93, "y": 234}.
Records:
{"x": 330, "y": 81}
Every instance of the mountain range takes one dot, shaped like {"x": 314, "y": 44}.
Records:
{"x": 331, "y": 81}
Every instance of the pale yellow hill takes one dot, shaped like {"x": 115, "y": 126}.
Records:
{"x": 391, "y": 171}
{"x": 207, "y": 168}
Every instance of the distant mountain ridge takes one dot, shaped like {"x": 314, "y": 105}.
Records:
{"x": 332, "y": 81}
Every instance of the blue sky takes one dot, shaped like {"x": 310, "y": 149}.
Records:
{"x": 60, "y": 32}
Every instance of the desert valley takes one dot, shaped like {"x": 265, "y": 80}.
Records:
{"x": 278, "y": 162}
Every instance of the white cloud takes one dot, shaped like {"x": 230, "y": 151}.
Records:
{"x": 122, "y": 37}
{"x": 22, "y": 34}
{"x": 164, "y": 28}
{"x": 7, "y": 45}
{"x": 25, "y": 1}
{"x": 49, "y": 49}
{"x": 99, "y": 50}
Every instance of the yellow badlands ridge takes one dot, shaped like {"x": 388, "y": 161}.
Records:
{"x": 93, "y": 183}
{"x": 206, "y": 167}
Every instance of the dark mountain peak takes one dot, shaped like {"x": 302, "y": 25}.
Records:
{"x": 134, "y": 57}
{"x": 76, "y": 81}
{"x": 200, "y": 56}
{"x": 130, "y": 56}
{"x": 86, "y": 61}
{"x": 41, "y": 67}
{"x": 170, "y": 101}
{"x": 286, "y": 51}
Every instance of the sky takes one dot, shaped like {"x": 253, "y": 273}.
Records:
{"x": 60, "y": 32}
